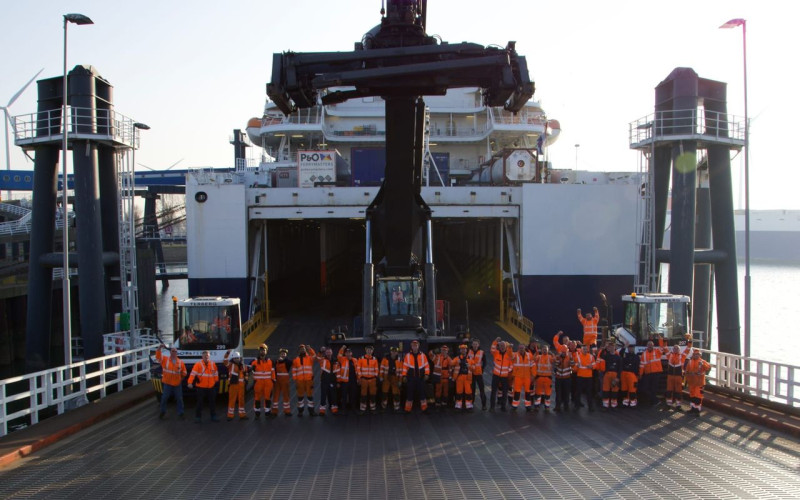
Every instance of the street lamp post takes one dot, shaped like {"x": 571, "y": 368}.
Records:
{"x": 576, "y": 155}
{"x": 733, "y": 23}
{"x": 76, "y": 19}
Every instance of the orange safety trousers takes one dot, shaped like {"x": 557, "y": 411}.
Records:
{"x": 369, "y": 389}
{"x": 610, "y": 390}
{"x": 281, "y": 389}
{"x": 369, "y": 386}
{"x": 391, "y": 383}
{"x": 236, "y": 394}
{"x": 696, "y": 392}
{"x": 304, "y": 388}
{"x": 608, "y": 382}
{"x": 674, "y": 389}
{"x": 464, "y": 384}
{"x": 442, "y": 389}
{"x": 627, "y": 385}
{"x": 262, "y": 391}
{"x": 464, "y": 390}
{"x": 522, "y": 384}
{"x": 544, "y": 385}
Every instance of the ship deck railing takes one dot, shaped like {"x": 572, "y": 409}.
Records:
{"x": 775, "y": 382}
{"x": 700, "y": 125}
{"x": 27, "y": 399}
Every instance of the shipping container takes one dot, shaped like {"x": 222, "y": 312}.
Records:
{"x": 368, "y": 166}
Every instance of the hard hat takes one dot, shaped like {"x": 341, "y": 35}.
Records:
{"x": 263, "y": 346}
{"x": 415, "y": 341}
{"x": 463, "y": 346}
{"x": 235, "y": 355}
{"x": 393, "y": 349}
{"x": 283, "y": 350}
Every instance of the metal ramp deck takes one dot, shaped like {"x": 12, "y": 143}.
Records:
{"x": 642, "y": 453}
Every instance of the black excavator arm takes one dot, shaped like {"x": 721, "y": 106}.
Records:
{"x": 399, "y": 62}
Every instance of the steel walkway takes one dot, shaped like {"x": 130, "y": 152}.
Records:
{"x": 641, "y": 453}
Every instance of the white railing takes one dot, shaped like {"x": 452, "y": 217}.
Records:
{"x": 17, "y": 210}
{"x": 776, "y": 382}
{"x": 27, "y": 398}
{"x": 44, "y": 126}
{"x": 700, "y": 123}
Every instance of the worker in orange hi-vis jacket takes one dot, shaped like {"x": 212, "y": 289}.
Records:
{"x": 237, "y": 380}
{"x": 503, "y": 364}
{"x": 263, "y": 375}
{"x": 478, "y": 359}
{"x": 675, "y": 361}
{"x": 611, "y": 366}
{"x": 522, "y": 370}
{"x": 347, "y": 380}
{"x": 589, "y": 323}
{"x": 585, "y": 364}
{"x": 367, "y": 373}
{"x": 463, "y": 367}
{"x": 441, "y": 375}
{"x": 544, "y": 363}
{"x": 650, "y": 371}
{"x": 328, "y": 368}
{"x": 303, "y": 375}
{"x": 283, "y": 377}
{"x": 695, "y": 370}
{"x": 560, "y": 342}
{"x": 416, "y": 371}
{"x": 391, "y": 373}
{"x": 206, "y": 375}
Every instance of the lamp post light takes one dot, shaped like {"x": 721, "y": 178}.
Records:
{"x": 734, "y": 23}
{"x": 75, "y": 19}
{"x": 133, "y": 313}
{"x": 576, "y": 155}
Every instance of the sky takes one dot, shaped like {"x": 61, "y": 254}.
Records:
{"x": 195, "y": 71}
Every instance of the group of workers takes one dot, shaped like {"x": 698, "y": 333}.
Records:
{"x": 525, "y": 377}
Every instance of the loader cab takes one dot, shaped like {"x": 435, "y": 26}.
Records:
{"x": 650, "y": 315}
{"x": 399, "y": 303}
{"x": 208, "y": 323}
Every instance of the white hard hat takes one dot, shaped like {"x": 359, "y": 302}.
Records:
{"x": 235, "y": 355}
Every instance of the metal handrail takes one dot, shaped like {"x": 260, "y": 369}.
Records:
{"x": 776, "y": 382}
{"x": 665, "y": 125}
{"x": 17, "y": 210}
{"x": 27, "y": 398}
{"x": 44, "y": 126}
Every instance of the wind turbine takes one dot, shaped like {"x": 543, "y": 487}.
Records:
{"x": 154, "y": 170}
{"x": 8, "y": 117}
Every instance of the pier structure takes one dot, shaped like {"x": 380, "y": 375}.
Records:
{"x": 98, "y": 137}
{"x": 685, "y": 150}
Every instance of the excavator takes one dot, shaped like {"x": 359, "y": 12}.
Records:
{"x": 399, "y": 62}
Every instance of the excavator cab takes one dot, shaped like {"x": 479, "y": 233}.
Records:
{"x": 399, "y": 303}
{"x": 652, "y": 315}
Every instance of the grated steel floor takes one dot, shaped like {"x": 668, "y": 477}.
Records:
{"x": 634, "y": 453}
{"x": 641, "y": 453}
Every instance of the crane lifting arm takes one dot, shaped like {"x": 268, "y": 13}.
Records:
{"x": 399, "y": 62}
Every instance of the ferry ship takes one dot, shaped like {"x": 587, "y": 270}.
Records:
{"x": 511, "y": 234}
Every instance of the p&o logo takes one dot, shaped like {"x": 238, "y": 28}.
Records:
{"x": 315, "y": 157}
